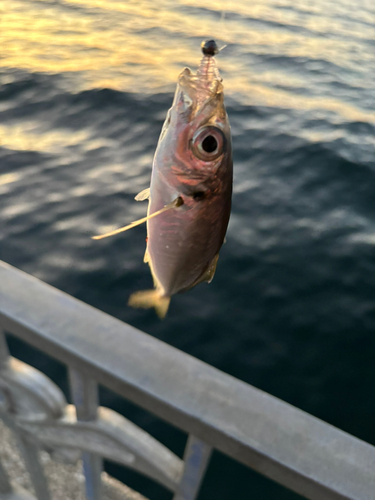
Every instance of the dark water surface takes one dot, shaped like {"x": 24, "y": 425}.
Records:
{"x": 85, "y": 86}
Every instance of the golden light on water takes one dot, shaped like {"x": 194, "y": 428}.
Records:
{"x": 142, "y": 46}
{"x": 24, "y": 137}
{"x": 8, "y": 178}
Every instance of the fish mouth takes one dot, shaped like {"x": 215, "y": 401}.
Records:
{"x": 196, "y": 90}
{"x": 204, "y": 84}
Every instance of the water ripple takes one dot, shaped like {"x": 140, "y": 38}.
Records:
{"x": 84, "y": 89}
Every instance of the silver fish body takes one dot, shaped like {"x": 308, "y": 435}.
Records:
{"x": 193, "y": 162}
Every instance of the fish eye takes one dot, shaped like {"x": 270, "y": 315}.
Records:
{"x": 208, "y": 143}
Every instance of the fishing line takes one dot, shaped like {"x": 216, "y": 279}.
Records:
{"x": 221, "y": 27}
{"x": 175, "y": 203}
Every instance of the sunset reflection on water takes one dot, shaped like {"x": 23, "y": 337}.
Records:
{"x": 142, "y": 46}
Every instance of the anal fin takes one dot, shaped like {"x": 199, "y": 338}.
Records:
{"x": 207, "y": 275}
{"x": 210, "y": 272}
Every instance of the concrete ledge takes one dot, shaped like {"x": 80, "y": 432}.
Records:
{"x": 66, "y": 482}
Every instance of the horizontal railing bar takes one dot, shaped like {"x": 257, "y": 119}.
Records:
{"x": 284, "y": 443}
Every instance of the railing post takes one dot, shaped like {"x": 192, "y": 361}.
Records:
{"x": 5, "y": 486}
{"x": 196, "y": 457}
{"x": 84, "y": 393}
{"x": 29, "y": 451}
{"x": 4, "y": 352}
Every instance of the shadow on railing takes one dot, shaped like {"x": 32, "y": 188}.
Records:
{"x": 295, "y": 449}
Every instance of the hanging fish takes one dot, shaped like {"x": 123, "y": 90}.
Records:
{"x": 191, "y": 187}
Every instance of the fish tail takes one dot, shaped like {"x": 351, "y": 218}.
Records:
{"x": 150, "y": 298}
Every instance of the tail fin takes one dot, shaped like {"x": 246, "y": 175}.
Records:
{"x": 151, "y": 298}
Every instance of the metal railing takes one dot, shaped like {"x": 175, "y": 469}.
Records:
{"x": 301, "y": 452}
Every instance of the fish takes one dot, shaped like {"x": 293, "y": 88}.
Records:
{"x": 189, "y": 198}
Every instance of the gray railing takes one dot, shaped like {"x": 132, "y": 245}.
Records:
{"x": 301, "y": 452}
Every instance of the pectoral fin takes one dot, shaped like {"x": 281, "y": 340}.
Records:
{"x": 143, "y": 195}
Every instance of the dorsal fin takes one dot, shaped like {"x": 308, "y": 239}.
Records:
{"x": 146, "y": 258}
{"x": 143, "y": 195}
